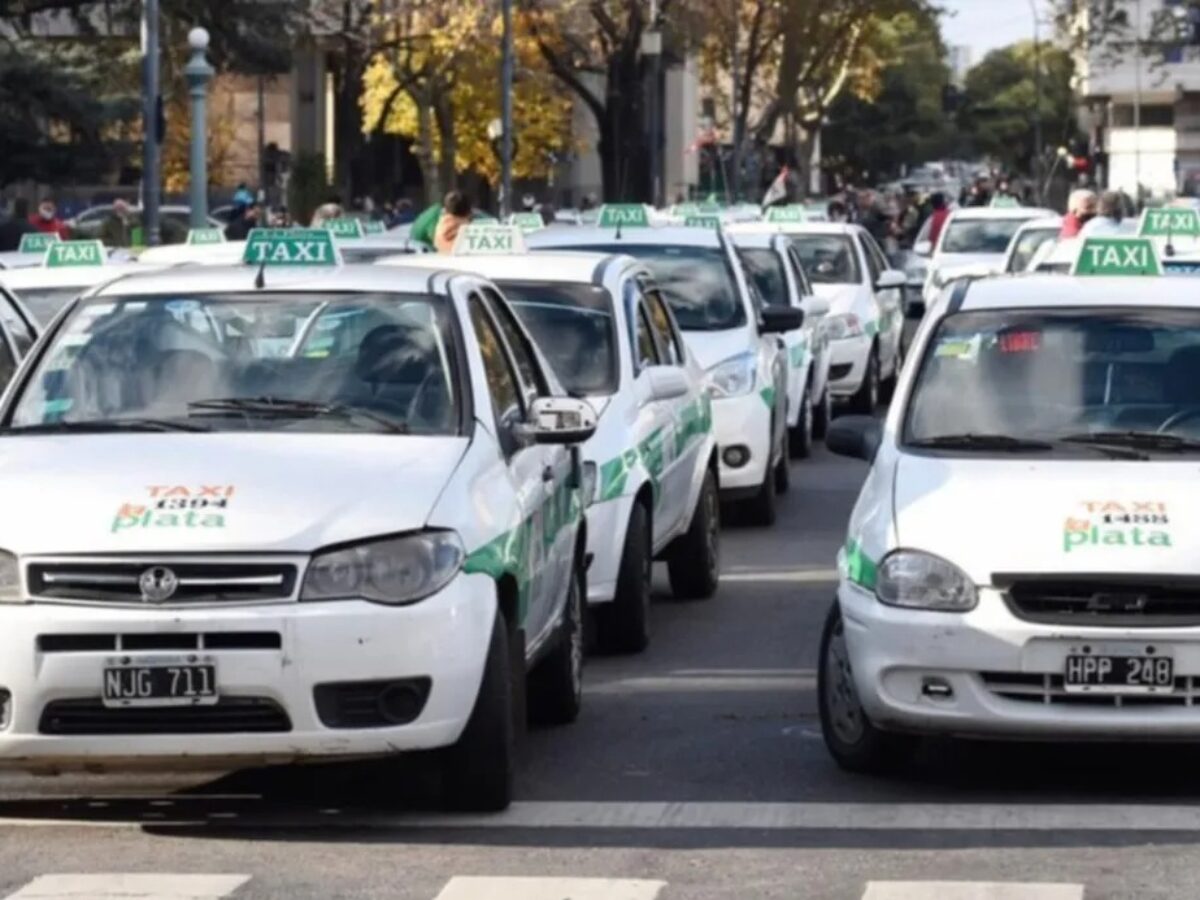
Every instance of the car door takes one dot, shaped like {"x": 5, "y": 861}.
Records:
{"x": 527, "y": 464}
{"x": 818, "y": 339}
{"x": 551, "y": 537}
{"x": 891, "y": 305}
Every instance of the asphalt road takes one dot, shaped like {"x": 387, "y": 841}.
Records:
{"x": 696, "y": 771}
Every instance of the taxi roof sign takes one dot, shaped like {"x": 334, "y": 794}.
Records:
{"x": 701, "y": 221}
{"x": 791, "y": 213}
{"x": 1004, "y": 201}
{"x": 291, "y": 247}
{"x": 203, "y": 236}
{"x": 68, "y": 254}
{"x": 527, "y": 221}
{"x": 1169, "y": 223}
{"x": 686, "y": 209}
{"x": 345, "y": 229}
{"x": 373, "y": 226}
{"x": 36, "y": 242}
{"x": 623, "y": 215}
{"x": 1116, "y": 256}
{"x": 478, "y": 239}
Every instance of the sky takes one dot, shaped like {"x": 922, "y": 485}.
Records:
{"x": 984, "y": 25}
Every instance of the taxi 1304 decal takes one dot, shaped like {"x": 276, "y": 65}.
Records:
{"x": 1108, "y": 523}
{"x": 176, "y": 506}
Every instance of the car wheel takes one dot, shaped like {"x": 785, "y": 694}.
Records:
{"x": 887, "y": 387}
{"x": 800, "y": 440}
{"x": 856, "y": 744}
{"x": 823, "y": 414}
{"x": 694, "y": 565}
{"x": 783, "y": 472}
{"x": 556, "y": 685}
{"x": 477, "y": 771}
{"x": 866, "y": 398}
{"x": 761, "y": 509}
{"x": 624, "y": 624}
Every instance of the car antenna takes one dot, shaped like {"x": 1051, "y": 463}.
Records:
{"x": 1169, "y": 249}
{"x": 617, "y": 236}
{"x": 260, "y": 280}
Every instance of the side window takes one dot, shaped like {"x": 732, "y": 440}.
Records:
{"x": 660, "y": 321}
{"x": 647, "y": 351}
{"x": 798, "y": 272}
{"x": 532, "y": 383}
{"x": 872, "y": 263}
{"x": 8, "y": 364}
{"x": 880, "y": 257}
{"x": 501, "y": 380}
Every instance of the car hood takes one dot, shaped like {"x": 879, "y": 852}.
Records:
{"x": 1050, "y": 516}
{"x": 712, "y": 348}
{"x": 124, "y": 493}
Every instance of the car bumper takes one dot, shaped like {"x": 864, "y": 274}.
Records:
{"x": 743, "y": 422}
{"x": 1004, "y": 674}
{"x": 320, "y": 643}
{"x": 607, "y": 523}
{"x": 848, "y": 362}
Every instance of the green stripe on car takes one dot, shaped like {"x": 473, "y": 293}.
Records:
{"x": 860, "y": 568}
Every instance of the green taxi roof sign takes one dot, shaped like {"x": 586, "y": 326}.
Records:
{"x": 623, "y": 215}
{"x": 527, "y": 221}
{"x": 291, "y": 247}
{"x": 197, "y": 237}
{"x": 346, "y": 229}
{"x": 486, "y": 239}
{"x": 1004, "y": 201}
{"x": 36, "y": 242}
{"x": 1117, "y": 256}
{"x": 68, "y": 254}
{"x": 1169, "y": 223}
{"x": 686, "y": 209}
{"x": 701, "y": 221}
{"x": 790, "y": 213}
{"x": 373, "y": 227}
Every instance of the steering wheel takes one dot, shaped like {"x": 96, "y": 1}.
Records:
{"x": 1174, "y": 419}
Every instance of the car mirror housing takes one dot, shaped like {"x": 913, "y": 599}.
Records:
{"x": 781, "y": 319}
{"x": 891, "y": 278}
{"x": 667, "y": 382}
{"x": 858, "y": 437}
{"x": 817, "y": 307}
{"x": 923, "y": 248}
{"x": 559, "y": 420}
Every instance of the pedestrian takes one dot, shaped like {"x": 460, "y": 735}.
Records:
{"x": 456, "y": 212}
{"x": 326, "y": 212}
{"x": 403, "y": 213}
{"x": 244, "y": 219}
{"x": 47, "y": 221}
{"x": 242, "y": 196}
{"x": 836, "y": 211}
{"x": 15, "y": 225}
{"x": 1108, "y": 216}
{"x": 1081, "y": 208}
{"x": 117, "y": 230}
{"x": 937, "y": 218}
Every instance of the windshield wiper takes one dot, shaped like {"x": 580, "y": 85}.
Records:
{"x": 106, "y": 426}
{"x": 1141, "y": 440}
{"x": 970, "y": 441}
{"x": 280, "y": 407}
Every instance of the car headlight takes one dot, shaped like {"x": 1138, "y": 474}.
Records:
{"x": 732, "y": 378}
{"x": 393, "y": 571}
{"x": 842, "y": 326}
{"x": 10, "y": 578}
{"x": 917, "y": 580}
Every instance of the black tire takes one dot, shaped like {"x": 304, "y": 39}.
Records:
{"x": 694, "y": 565}
{"x": 822, "y": 415}
{"x": 783, "y": 472}
{"x": 887, "y": 387}
{"x": 801, "y": 437}
{"x": 623, "y": 626}
{"x": 477, "y": 771}
{"x": 761, "y": 509}
{"x": 856, "y": 744}
{"x": 556, "y": 685}
{"x": 866, "y": 398}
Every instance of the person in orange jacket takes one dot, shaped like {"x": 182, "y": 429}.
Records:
{"x": 456, "y": 212}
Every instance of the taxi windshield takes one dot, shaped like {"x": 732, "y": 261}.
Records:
{"x": 697, "y": 282}
{"x": 827, "y": 258}
{"x": 573, "y": 325}
{"x": 321, "y": 362}
{"x": 46, "y": 303}
{"x": 979, "y": 235}
{"x": 1104, "y": 377}
{"x": 1028, "y": 242}
{"x": 765, "y": 269}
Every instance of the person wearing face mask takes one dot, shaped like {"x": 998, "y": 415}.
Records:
{"x": 46, "y": 220}
{"x": 1081, "y": 209}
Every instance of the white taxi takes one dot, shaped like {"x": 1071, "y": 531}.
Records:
{"x": 973, "y": 242}
{"x": 303, "y": 511}
{"x": 731, "y": 334}
{"x": 1029, "y": 239}
{"x": 1020, "y": 562}
{"x": 774, "y": 267}
{"x": 652, "y": 463}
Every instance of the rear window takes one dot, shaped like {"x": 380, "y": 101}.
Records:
{"x": 765, "y": 268}
{"x": 828, "y": 258}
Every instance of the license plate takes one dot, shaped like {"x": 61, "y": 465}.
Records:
{"x": 185, "y": 682}
{"x": 1132, "y": 673}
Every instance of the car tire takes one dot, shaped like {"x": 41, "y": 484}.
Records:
{"x": 887, "y": 387}
{"x": 623, "y": 626}
{"x": 855, "y": 744}
{"x": 556, "y": 685}
{"x": 761, "y": 509}
{"x": 782, "y": 473}
{"x": 801, "y": 437}
{"x": 694, "y": 564}
{"x": 478, "y": 769}
{"x": 866, "y": 398}
{"x": 823, "y": 414}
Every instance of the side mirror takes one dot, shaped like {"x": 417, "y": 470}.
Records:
{"x": 816, "y": 307}
{"x": 915, "y": 310}
{"x": 855, "y": 436}
{"x": 667, "y": 382}
{"x": 890, "y": 279}
{"x": 923, "y": 248}
{"x": 781, "y": 319}
{"x": 558, "y": 420}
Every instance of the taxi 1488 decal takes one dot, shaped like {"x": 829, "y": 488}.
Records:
{"x": 176, "y": 506}
{"x": 1108, "y": 523}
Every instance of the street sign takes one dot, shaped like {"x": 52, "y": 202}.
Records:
{"x": 373, "y": 227}
{"x": 345, "y": 229}
{"x": 790, "y": 213}
{"x": 36, "y": 242}
{"x": 702, "y": 222}
{"x": 1116, "y": 256}
{"x": 67, "y": 254}
{"x": 204, "y": 236}
{"x": 1004, "y": 201}
{"x": 1169, "y": 223}
{"x": 623, "y": 215}
{"x": 476, "y": 240}
{"x": 527, "y": 221}
{"x": 291, "y": 247}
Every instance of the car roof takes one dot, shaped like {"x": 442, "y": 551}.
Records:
{"x": 39, "y": 277}
{"x": 241, "y": 279}
{"x": 1045, "y": 222}
{"x": 1044, "y": 291}
{"x": 846, "y": 228}
{"x": 575, "y": 268}
{"x": 756, "y": 238}
{"x": 1001, "y": 212}
{"x": 591, "y": 235}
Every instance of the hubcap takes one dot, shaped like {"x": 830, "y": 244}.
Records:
{"x": 841, "y": 698}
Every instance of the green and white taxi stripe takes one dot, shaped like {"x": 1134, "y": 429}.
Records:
{"x": 695, "y": 421}
{"x": 860, "y": 568}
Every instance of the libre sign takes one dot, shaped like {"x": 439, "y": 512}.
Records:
{"x": 476, "y": 240}
{"x": 291, "y": 247}
{"x": 1116, "y": 256}
{"x": 65, "y": 254}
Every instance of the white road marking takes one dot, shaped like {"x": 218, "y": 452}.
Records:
{"x": 716, "y": 680}
{"x": 969, "y": 890}
{"x": 462, "y": 888}
{"x": 775, "y": 576}
{"x": 126, "y": 886}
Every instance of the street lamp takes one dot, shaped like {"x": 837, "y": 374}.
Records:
{"x": 151, "y": 123}
{"x": 652, "y": 48}
{"x": 1037, "y": 91}
{"x": 198, "y": 73}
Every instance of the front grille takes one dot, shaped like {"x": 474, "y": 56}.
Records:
{"x": 230, "y": 715}
{"x": 104, "y": 581}
{"x": 119, "y": 643}
{"x": 1047, "y": 688}
{"x": 1135, "y": 601}
{"x": 840, "y": 371}
{"x": 371, "y": 704}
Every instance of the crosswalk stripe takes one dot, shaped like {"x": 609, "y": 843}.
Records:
{"x": 969, "y": 890}
{"x": 130, "y": 886}
{"x": 477, "y": 888}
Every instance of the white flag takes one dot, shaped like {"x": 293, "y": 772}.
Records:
{"x": 778, "y": 189}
